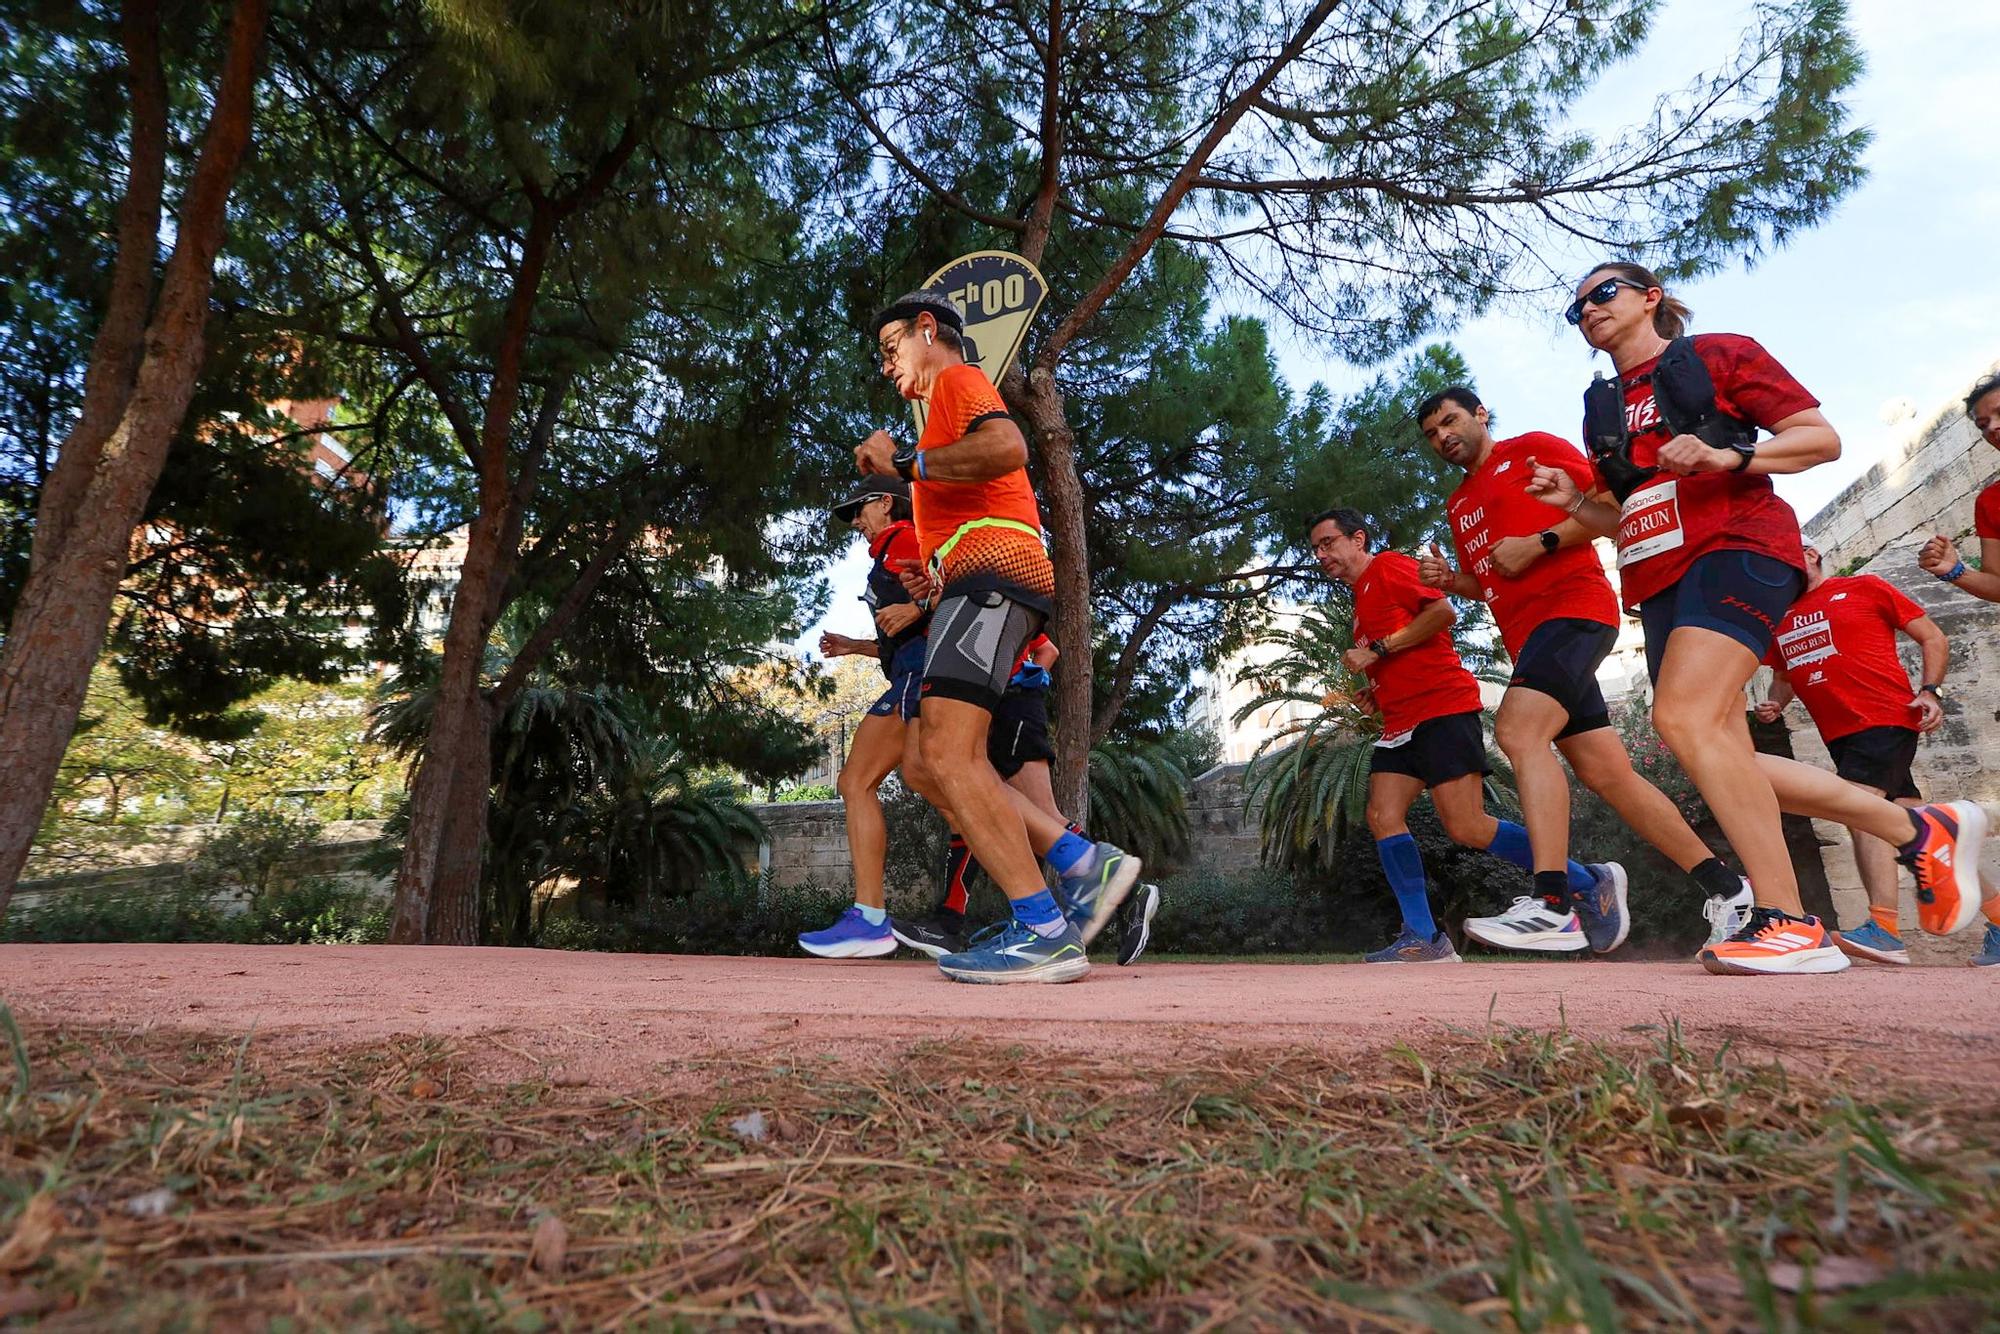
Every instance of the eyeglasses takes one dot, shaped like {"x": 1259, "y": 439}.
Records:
{"x": 1598, "y": 296}
{"x": 1326, "y": 544}
{"x": 889, "y": 347}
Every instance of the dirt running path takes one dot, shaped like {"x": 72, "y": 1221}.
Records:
{"x": 634, "y": 1021}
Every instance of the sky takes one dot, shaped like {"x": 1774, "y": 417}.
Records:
{"x": 1896, "y": 297}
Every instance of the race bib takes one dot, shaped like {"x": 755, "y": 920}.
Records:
{"x": 1650, "y": 522}
{"x": 1807, "y": 642}
{"x": 1391, "y": 740}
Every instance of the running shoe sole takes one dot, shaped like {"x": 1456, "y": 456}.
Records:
{"x": 1058, "y": 970}
{"x": 853, "y": 949}
{"x": 1827, "y": 959}
{"x": 1444, "y": 958}
{"x": 1858, "y": 951}
{"x": 1539, "y": 942}
{"x": 1621, "y": 887}
{"x": 1133, "y": 939}
{"x": 1115, "y": 890}
{"x": 1965, "y": 872}
{"x": 936, "y": 951}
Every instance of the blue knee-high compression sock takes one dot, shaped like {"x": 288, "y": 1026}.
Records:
{"x": 1404, "y": 866}
{"x": 1510, "y": 844}
{"x": 1066, "y": 854}
{"x": 1039, "y": 913}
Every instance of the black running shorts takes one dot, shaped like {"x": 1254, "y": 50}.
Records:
{"x": 1435, "y": 751}
{"x": 1560, "y": 660}
{"x": 1019, "y": 735}
{"x": 975, "y": 639}
{"x": 1878, "y": 757}
{"x": 1737, "y": 593}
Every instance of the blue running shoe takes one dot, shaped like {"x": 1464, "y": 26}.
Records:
{"x": 1869, "y": 941}
{"x": 851, "y": 936}
{"x": 1093, "y": 896}
{"x": 1016, "y": 954}
{"x": 1601, "y": 909}
{"x": 1989, "y": 953}
{"x": 1413, "y": 948}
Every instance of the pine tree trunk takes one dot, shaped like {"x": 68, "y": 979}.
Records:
{"x": 59, "y": 625}
{"x": 459, "y": 743}
{"x": 1071, "y": 628}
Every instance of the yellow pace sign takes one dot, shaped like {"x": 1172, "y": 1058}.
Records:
{"x": 998, "y": 293}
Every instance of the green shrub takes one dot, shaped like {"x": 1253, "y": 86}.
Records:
{"x": 809, "y": 792}
{"x": 184, "y": 913}
{"x": 315, "y": 911}
{"x": 246, "y": 855}
{"x": 726, "y": 915}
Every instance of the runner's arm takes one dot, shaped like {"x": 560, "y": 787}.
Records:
{"x": 1936, "y": 648}
{"x": 1436, "y": 617}
{"x": 1779, "y": 696}
{"x": 1798, "y": 442}
{"x": 993, "y": 448}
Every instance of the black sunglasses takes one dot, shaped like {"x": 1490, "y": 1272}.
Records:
{"x": 1598, "y": 295}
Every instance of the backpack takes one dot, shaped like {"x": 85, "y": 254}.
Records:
{"x": 1685, "y": 394}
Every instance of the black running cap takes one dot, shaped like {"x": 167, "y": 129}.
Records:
{"x": 913, "y": 304}
{"x": 873, "y": 485}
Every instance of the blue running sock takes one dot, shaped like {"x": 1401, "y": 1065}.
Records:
{"x": 1039, "y": 913}
{"x": 872, "y": 916}
{"x": 1404, "y": 866}
{"x": 1510, "y": 844}
{"x": 1068, "y": 852}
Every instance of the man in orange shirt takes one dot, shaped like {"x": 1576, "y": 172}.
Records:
{"x": 987, "y": 578}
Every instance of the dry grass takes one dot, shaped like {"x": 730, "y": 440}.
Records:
{"x": 1512, "y": 1181}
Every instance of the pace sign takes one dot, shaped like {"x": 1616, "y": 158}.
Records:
{"x": 998, "y": 293}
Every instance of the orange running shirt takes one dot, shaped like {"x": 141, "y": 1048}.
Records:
{"x": 1005, "y": 560}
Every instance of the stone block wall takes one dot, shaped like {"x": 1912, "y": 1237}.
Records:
{"x": 1876, "y": 527}
{"x": 807, "y": 840}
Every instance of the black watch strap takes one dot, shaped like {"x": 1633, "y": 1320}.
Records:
{"x": 1744, "y": 453}
{"x": 905, "y": 462}
{"x": 1935, "y": 687}
{"x": 1549, "y": 539}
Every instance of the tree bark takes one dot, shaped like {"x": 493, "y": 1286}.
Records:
{"x": 121, "y": 337}
{"x": 1072, "y": 627}
{"x": 59, "y": 625}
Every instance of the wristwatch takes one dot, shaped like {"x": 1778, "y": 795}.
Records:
{"x": 1379, "y": 647}
{"x": 905, "y": 463}
{"x": 1936, "y": 689}
{"x": 1744, "y": 452}
{"x": 1549, "y": 539}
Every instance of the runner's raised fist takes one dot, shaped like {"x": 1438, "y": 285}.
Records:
{"x": 1938, "y": 555}
{"x": 876, "y": 454}
{"x": 1434, "y": 569}
{"x": 1551, "y": 486}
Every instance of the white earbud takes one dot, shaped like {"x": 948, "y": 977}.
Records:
{"x": 927, "y": 338}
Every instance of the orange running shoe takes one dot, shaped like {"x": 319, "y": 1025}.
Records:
{"x": 1773, "y": 942}
{"x": 1944, "y": 857}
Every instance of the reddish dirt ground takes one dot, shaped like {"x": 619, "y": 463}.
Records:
{"x": 651, "y": 1021}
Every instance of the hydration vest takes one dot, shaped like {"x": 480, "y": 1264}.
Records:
{"x": 885, "y": 589}
{"x": 1684, "y": 392}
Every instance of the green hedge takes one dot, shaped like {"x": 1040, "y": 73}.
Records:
{"x": 312, "y": 912}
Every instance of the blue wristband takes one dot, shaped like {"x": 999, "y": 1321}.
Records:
{"x": 1954, "y": 574}
{"x": 921, "y": 474}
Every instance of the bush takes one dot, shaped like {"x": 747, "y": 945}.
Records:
{"x": 246, "y": 855}
{"x": 727, "y": 915}
{"x": 312, "y": 912}
{"x": 809, "y": 792}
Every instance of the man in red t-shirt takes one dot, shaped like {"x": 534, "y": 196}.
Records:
{"x": 1835, "y": 652}
{"x": 1940, "y": 555}
{"x": 1431, "y": 737}
{"x": 1541, "y": 578}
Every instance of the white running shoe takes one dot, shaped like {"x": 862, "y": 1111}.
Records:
{"x": 1727, "y": 916}
{"x": 1531, "y": 924}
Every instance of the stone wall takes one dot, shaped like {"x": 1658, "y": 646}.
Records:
{"x": 1875, "y": 527}
{"x": 807, "y": 840}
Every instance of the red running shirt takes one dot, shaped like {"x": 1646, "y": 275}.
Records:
{"x": 1491, "y": 503}
{"x": 1837, "y": 646}
{"x": 1421, "y": 682}
{"x": 1986, "y": 513}
{"x": 1672, "y": 520}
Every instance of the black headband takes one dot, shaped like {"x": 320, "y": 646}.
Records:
{"x": 921, "y": 303}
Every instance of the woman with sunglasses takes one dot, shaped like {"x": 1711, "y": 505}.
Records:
{"x": 1711, "y": 558}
